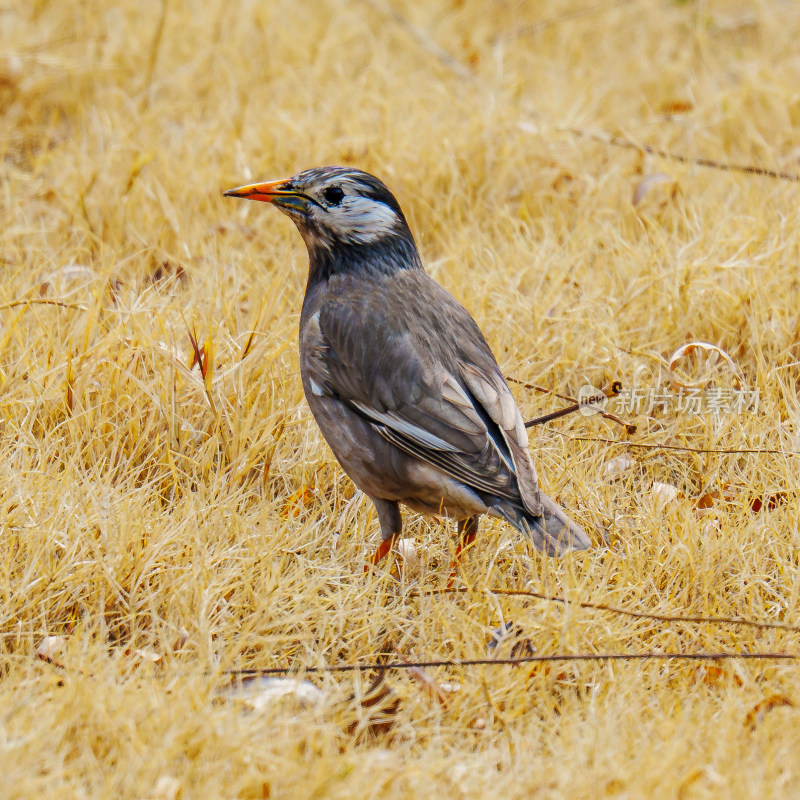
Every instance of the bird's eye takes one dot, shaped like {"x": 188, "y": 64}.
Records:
{"x": 333, "y": 195}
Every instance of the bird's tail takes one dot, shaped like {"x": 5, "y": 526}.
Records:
{"x": 553, "y": 531}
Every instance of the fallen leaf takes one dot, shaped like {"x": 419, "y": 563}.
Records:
{"x": 50, "y": 647}
{"x": 707, "y": 772}
{"x": 708, "y": 499}
{"x": 181, "y": 641}
{"x": 759, "y": 711}
{"x": 436, "y": 691}
{"x": 166, "y": 788}
{"x": 676, "y": 107}
{"x": 712, "y": 675}
{"x": 407, "y": 550}
{"x": 704, "y": 356}
{"x": 261, "y": 692}
{"x": 294, "y": 504}
{"x": 145, "y": 654}
{"x": 617, "y": 467}
{"x": 647, "y": 183}
{"x": 769, "y": 501}
{"x": 664, "y": 494}
{"x": 378, "y": 709}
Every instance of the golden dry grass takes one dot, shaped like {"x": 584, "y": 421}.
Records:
{"x": 143, "y": 509}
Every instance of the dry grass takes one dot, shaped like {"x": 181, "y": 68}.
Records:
{"x": 142, "y": 507}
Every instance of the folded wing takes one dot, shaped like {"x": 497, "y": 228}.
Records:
{"x": 431, "y": 387}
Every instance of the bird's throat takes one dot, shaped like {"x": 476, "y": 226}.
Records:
{"x": 383, "y": 257}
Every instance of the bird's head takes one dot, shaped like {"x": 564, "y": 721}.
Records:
{"x": 334, "y": 207}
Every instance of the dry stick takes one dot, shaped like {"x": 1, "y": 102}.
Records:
{"x": 155, "y": 47}
{"x": 535, "y": 27}
{"x": 42, "y": 301}
{"x": 452, "y": 63}
{"x": 612, "y": 390}
{"x": 629, "y": 427}
{"x": 783, "y": 626}
{"x": 422, "y": 39}
{"x": 681, "y": 449}
{"x": 617, "y": 141}
{"x": 498, "y": 662}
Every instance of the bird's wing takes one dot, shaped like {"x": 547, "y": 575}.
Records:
{"x": 407, "y": 356}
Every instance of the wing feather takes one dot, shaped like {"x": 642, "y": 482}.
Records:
{"x": 409, "y": 358}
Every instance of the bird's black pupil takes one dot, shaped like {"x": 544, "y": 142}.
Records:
{"x": 333, "y": 195}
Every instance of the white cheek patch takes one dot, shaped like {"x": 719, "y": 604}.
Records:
{"x": 362, "y": 220}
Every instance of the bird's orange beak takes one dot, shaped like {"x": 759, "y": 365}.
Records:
{"x": 280, "y": 193}
{"x": 258, "y": 191}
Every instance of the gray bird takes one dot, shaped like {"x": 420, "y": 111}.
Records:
{"x": 398, "y": 375}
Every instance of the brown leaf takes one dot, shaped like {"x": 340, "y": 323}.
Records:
{"x": 437, "y": 691}
{"x": 197, "y": 354}
{"x": 167, "y": 271}
{"x": 294, "y": 504}
{"x": 181, "y": 640}
{"x": 708, "y": 499}
{"x": 707, "y": 773}
{"x": 768, "y": 501}
{"x": 759, "y": 711}
{"x": 676, "y": 107}
{"x": 712, "y": 675}
{"x": 379, "y": 707}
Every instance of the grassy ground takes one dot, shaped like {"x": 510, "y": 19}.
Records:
{"x": 169, "y": 528}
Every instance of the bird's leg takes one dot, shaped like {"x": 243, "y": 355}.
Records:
{"x": 467, "y": 531}
{"x": 391, "y": 527}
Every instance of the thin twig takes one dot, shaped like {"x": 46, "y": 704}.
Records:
{"x": 630, "y": 429}
{"x": 783, "y": 626}
{"x": 463, "y": 72}
{"x": 535, "y": 27}
{"x": 155, "y": 47}
{"x": 498, "y": 662}
{"x": 42, "y": 301}
{"x": 681, "y": 449}
{"x": 422, "y": 39}
{"x": 618, "y": 141}
{"x": 612, "y": 390}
